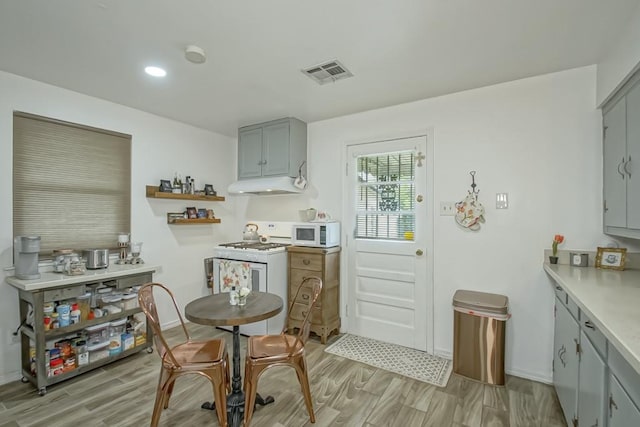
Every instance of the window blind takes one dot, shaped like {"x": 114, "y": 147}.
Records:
{"x": 71, "y": 183}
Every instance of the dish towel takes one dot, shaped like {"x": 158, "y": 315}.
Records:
{"x": 233, "y": 273}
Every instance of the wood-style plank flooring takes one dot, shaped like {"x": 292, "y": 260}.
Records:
{"x": 345, "y": 393}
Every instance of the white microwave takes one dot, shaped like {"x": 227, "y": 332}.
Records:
{"x": 316, "y": 234}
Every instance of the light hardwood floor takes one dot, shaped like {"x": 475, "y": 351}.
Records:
{"x": 345, "y": 393}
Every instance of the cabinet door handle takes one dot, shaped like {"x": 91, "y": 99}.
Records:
{"x": 612, "y": 405}
{"x": 305, "y": 296}
{"x": 619, "y": 166}
{"x": 589, "y": 325}
{"x": 306, "y": 261}
{"x": 625, "y": 167}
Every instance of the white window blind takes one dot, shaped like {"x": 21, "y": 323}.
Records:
{"x": 385, "y": 196}
{"x": 71, "y": 183}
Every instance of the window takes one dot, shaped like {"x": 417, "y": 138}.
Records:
{"x": 385, "y": 196}
{"x": 71, "y": 183}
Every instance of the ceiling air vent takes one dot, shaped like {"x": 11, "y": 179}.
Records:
{"x": 328, "y": 72}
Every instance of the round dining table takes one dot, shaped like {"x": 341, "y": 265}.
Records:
{"x": 215, "y": 310}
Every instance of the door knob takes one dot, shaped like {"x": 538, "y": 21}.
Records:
{"x": 419, "y": 198}
{"x": 419, "y": 252}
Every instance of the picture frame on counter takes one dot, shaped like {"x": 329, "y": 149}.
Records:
{"x": 209, "y": 191}
{"x": 165, "y": 186}
{"x": 611, "y": 258}
{"x": 192, "y": 213}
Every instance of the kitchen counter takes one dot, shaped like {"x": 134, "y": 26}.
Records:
{"x": 54, "y": 280}
{"x": 611, "y": 300}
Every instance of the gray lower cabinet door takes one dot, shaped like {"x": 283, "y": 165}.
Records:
{"x": 565, "y": 361}
{"x": 615, "y": 157}
{"x": 591, "y": 396}
{"x": 622, "y": 411}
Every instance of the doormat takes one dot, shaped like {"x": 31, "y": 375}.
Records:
{"x": 395, "y": 358}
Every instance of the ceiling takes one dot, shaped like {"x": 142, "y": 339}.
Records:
{"x": 398, "y": 50}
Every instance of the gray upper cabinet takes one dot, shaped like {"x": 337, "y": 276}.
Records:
{"x": 621, "y": 149}
{"x": 276, "y": 148}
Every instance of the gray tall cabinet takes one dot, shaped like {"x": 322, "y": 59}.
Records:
{"x": 621, "y": 151}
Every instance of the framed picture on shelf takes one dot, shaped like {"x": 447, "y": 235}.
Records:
{"x": 173, "y": 216}
{"x": 202, "y": 213}
{"x": 209, "y": 191}
{"x": 192, "y": 213}
{"x": 612, "y": 258}
{"x": 165, "y": 186}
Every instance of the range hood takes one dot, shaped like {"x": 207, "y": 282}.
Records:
{"x": 272, "y": 185}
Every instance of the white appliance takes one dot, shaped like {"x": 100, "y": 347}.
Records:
{"x": 268, "y": 270}
{"x": 316, "y": 234}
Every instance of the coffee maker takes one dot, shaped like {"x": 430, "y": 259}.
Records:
{"x": 25, "y": 257}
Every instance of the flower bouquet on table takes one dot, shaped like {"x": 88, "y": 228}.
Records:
{"x": 557, "y": 239}
{"x": 243, "y": 293}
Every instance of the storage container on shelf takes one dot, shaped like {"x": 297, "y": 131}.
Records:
{"x": 117, "y": 327}
{"x": 129, "y": 301}
{"x": 84, "y": 305}
{"x": 98, "y": 351}
{"x": 97, "y": 334}
{"x": 114, "y": 299}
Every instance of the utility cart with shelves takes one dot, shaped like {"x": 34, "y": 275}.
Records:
{"x": 33, "y": 295}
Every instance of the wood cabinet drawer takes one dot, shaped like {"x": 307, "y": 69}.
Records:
{"x": 306, "y": 261}
{"x": 300, "y": 310}
{"x": 304, "y": 296}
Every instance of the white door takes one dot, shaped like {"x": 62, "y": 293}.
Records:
{"x": 388, "y": 226}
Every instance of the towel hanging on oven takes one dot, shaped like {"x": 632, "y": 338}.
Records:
{"x": 234, "y": 273}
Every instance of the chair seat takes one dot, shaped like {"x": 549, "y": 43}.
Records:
{"x": 198, "y": 352}
{"x": 274, "y": 346}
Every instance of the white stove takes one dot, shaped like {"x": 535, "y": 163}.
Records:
{"x": 268, "y": 269}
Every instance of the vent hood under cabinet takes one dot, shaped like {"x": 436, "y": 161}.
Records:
{"x": 269, "y": 185}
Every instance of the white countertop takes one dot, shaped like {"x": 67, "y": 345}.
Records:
{"x": 53, "y": 280}
{"x": 611, "y": 300}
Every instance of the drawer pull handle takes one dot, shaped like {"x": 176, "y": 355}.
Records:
{"x": 304, "y": 314}
{"x": 305, "y": 296}
{"x": 558, "y": 288}
{"x": 589, "y": 325}
{"x": 306, "y": 261}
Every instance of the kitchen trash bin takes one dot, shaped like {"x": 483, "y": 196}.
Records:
{"x": 479, "y": 321}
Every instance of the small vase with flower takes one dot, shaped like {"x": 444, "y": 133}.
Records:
{"x": 557, "y": 239}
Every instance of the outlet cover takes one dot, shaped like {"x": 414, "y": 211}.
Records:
{"x": 447, "y": 208}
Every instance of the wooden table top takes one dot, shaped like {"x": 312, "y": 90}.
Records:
{"x": 215, "y": 309}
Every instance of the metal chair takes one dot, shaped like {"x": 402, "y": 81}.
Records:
{"x": 267, "y": 351}
{"x": 206, "y": 358}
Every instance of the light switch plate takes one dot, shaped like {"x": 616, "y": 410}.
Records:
{"x": 502, "y": 200}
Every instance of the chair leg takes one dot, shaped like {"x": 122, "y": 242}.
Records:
{"x": 217, "y": 376}
{"x": 168, "y": 394}
{"x": 301, "y": 371}
{"x": 251, "y": 375}
{"x": 227, "y": 372}
{"x": 161, "y": 390}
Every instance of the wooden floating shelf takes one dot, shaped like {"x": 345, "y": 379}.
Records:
{"x": 152, "y": 192}
{"x": 195, "y": 221}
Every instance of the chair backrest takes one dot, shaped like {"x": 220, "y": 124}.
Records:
{"x": 149, "y": 307}
{"x": 316, "y": 288}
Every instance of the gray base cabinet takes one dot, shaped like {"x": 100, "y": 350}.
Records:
{"x": 591, "y": 394}
{"x": 565, "y": 360}
{"x": 622, "y": 411}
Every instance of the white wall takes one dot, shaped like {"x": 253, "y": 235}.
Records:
{"x": 537, "y": 139}
{"x": 160, "y": 147}
{"x": 621, "y": 61}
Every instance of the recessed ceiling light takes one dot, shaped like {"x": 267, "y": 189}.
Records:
{"x": 155, "y": 71}
{"x": 195, "y": 54}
